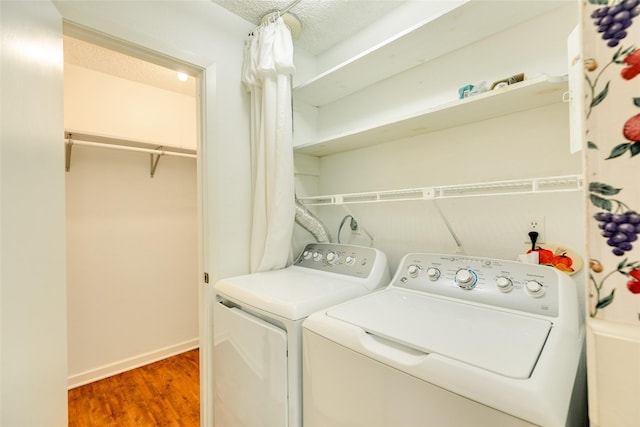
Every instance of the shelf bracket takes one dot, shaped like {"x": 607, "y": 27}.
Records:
{"x": 453, "y": 234}
{"x": 153, "y": 161}
{"x": 67, "y": 154}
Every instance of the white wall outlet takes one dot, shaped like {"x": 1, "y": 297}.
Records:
{"x": 536, "y": 223}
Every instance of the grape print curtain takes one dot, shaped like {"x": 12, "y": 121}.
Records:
{"x": 612, "y": 111}
{"x": 267, "y": 69}
{"x": 611, "y": 52}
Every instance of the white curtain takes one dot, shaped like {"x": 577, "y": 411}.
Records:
{"x": 268, "y": 65}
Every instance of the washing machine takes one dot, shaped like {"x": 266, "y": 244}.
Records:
{"x": 257, "y": 330}
{"x": 451, "y": 341}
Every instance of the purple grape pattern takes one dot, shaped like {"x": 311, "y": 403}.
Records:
{"x": 620, "y": 229}
{"x": 613, "y": 21}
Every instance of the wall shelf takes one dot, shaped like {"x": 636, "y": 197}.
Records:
{"x": 463, "y": 23}
{"x": 553, "y": 184}
{"x": 528, "y": 94}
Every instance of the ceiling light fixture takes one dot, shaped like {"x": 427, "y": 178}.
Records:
{"x": 182, "y": 76}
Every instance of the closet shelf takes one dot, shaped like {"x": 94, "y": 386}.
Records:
{"x": 100, "y": 141}
{"x": 463, "y": 23}
{"x": 553, "y": 184}
{"x": 528, "y": 94}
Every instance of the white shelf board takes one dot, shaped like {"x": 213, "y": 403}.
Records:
{"x": 460, "y": 26}
{"x": 552, "y": 184}
{"x": 521, "y": 96}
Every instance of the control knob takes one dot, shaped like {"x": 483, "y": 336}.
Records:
{"x": 414, "y": 270}
{"x": 466, "y": 278}
{"x": 350, "y": 260}
{"x": 317, "y": 256}
{"x": 504, "y": 284}
{"x": 306, "y": 254}
{"x": 433, "y": 273}
{"x": 533, "y": 288}
{"x": 332, "y": 258}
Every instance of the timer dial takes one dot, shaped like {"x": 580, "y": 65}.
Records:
{"x": 466, "y": 278}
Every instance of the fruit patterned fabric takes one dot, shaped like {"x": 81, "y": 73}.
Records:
{"x": 611, "y": 34}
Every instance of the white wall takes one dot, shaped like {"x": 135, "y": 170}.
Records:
{"x": 505, "y": 148}
{"x": 103, "y": 104}
{"x": 132, "y": 261}
{"x": 33, "y": 346}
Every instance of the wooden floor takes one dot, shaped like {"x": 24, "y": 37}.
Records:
{"x": 165, "y": 393}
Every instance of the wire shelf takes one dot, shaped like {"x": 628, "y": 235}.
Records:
{"x": 554, "y": 184}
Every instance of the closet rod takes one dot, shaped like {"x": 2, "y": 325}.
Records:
{"x": 157, "y": 151}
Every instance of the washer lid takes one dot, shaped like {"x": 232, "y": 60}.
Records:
{"x": 504, "y": 343}
{"x": 293, "y": 292}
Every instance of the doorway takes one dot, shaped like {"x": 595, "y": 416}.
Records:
{"x": 132, "y": 205}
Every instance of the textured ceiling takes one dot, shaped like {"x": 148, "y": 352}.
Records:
{"x": 87, "y": 55}
{"x": 324, "y": 22}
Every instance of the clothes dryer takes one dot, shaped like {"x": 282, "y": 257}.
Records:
{"x": 452, "y": 341}
{"x": 258, "y": 327}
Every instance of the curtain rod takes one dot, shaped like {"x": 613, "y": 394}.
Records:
{"x": 291, "y": 6}
{"x": 295, "y": 27}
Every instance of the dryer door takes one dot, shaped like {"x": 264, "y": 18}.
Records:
{"x": 250, "y": 370}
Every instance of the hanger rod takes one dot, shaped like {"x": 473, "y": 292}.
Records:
{"x": 158, "y": 151}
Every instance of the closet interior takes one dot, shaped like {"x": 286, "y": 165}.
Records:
{"x": 131, "y": 201}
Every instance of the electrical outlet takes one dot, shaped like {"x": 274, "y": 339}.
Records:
{"x": 536, "y": 223}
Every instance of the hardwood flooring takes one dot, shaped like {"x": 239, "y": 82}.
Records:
{"x": 165, "y": 393}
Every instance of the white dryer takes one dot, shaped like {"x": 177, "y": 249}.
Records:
{"x": 452, "y": 341}
{"x": 258, "y": 330}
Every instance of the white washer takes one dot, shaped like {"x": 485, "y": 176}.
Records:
{"x": 452, "y": 341}
{"x": 257, "y": 330}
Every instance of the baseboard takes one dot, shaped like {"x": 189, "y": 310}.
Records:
{"x": 130, "y": 363}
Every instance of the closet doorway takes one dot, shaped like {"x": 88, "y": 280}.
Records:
{"x": 132, "y": 143}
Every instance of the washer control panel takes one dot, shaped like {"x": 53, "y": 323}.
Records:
{"x": 357, "y": 261}
{"x": 508, "y": 284}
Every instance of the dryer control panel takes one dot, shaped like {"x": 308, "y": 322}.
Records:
{"x": 350, "y": 260}
{"x": 500, "y": 283}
